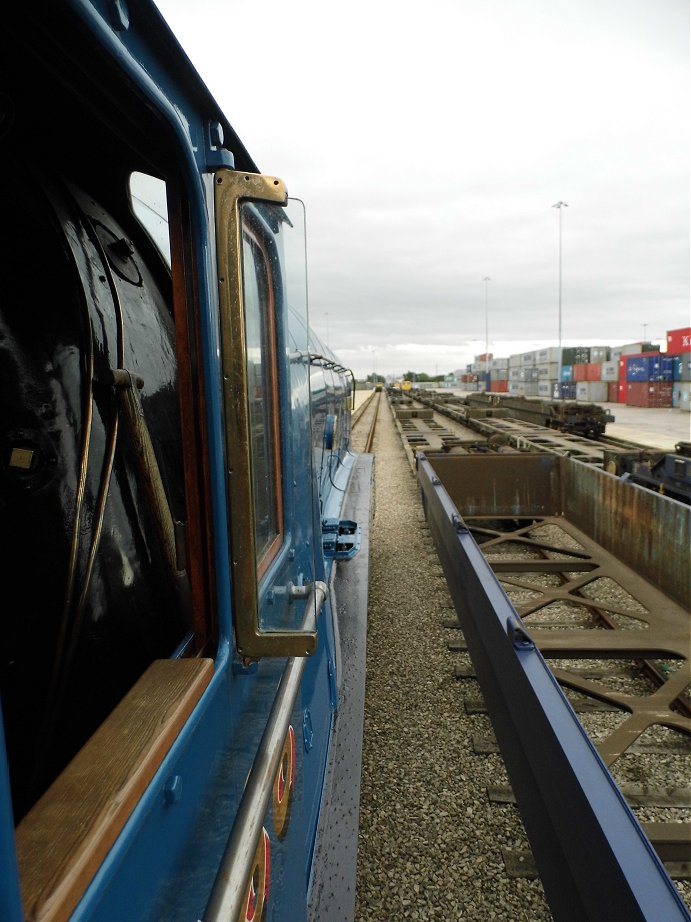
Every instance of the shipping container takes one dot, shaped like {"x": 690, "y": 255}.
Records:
{"x": 547, "y": 356}
{"x": 654, "y": 368}
{"x": 591, "y": 391}
{"x": 682, "y": 367}
{"x": 567, "y": 374}
{"x": 528, "y": 358}
{"x": 679, "y": 341}
{"x": 576, "y": 355}
{"x": 485, "y": 357}
{"x": 635, "y": 349}
{"x": 613, "y": 392}
{"x": 568, "y": 391}
{"x": 531, "y": 389}
{"x": 500, "y": 363}
{"x": 547, "y": 370}
{"x": 667, "y": 368}
{"x": 516, "y": 389}
{"x": 681, "y": 396}
{"x": 593, "y": 371}
{"x": 515, "y": 360}
{"x": 638, "y": 368}
{"x": 599, "y": 354}
{"x": 544, "y": 388}
{"x": 516, "y": 374}
{"x": 610, "y": 371}
{"x": 579, "y": 371}
{"x": 499, "y": 387}
{"x": 649, "y": 394}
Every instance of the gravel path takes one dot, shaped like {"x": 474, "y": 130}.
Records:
{"x": 430, "y": 843}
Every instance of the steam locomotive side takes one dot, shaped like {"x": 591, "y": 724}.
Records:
{"x": 180, "y": 506}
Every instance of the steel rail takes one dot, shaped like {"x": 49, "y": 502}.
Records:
{"x": 358, "y": 415}
{"x": 232, "y": 879}
{"x": 373, "y": 426}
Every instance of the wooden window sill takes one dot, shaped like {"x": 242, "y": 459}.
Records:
{"x": 62, "y": 841}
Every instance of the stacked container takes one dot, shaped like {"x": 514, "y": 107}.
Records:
{"x": 635, "y": 373}
{"x": 648, "y": 379}
{"x": 499, "y": 376}
{"x": 679, "y": 348}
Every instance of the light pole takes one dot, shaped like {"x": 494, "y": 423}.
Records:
{"x": 645, "y": 327}
{"x": 327, "y": 329}
{"x": 486, "y": 280}
{"x": 559, "y": 205}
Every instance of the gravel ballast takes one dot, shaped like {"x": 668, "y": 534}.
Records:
{"x": 431, "y": 845}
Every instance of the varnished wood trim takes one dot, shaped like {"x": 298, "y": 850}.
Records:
{"x": 63, "y": 840}
{"x": 192, "y": 417}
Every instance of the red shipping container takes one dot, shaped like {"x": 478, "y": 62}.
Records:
{"x": 679, "y": 341}
{"x": 593, "y": 372}
{"x": 637, "y": 394}
{"x": 622, "y": 391}
{"x": 649, "y": 394}
{"x": 622, "y": 371}
{"x": 664, "y": 392}
{"x": 579, "y": 372}
{"x": 613, "y": 392}
{"x": 499, "y": 387}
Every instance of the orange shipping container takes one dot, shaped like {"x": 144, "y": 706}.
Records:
{"x": 613, "y": 392}
{"x": 593, "y": 372}
{"x": 579, "y": 372}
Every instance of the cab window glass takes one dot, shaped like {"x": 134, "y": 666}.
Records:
{"x": 148, "y": 200}
{"x": 262, "y": 396}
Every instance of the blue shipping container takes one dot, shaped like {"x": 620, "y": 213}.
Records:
{"x": 568, "y": 391}
{"x": 567, "y": 373}
{"x": 637, "y": 368}
{"x": 667, "y": 368}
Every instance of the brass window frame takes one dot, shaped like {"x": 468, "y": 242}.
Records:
{"x": 270, "y": 360}
{"x": 231, "y": 188}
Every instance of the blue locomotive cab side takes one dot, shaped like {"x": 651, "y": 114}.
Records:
{"x": 181, "y": 509}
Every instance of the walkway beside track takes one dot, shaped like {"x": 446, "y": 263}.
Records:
{"x": 431, "y": 845}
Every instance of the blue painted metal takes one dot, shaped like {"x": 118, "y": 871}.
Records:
{"x": 10, "y": 906}
{"x": 164, "y": 862}
{"x": 331, "y": 894}
{"x": 595, "y": 861}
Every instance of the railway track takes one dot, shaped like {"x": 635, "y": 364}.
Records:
{"x": 364, "y": 423}
{"x": 616, "y": 644}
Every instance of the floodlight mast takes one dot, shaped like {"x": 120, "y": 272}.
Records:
{"x": 559, "y": 205}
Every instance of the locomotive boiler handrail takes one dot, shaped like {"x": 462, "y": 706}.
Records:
{"x": 230, "y": 887}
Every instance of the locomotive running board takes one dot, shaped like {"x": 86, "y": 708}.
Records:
{"x": 595, "y": 861}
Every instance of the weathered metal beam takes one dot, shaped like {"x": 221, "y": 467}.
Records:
{"x": 595, "y": 862}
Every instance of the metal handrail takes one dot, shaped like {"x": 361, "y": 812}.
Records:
{"x": 230, "y": 886}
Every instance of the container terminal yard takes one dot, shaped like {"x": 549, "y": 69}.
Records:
{"x": 530, "y": 767}
{"x": 201, "y": 638}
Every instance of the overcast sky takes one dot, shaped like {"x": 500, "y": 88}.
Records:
{"x": 429, "y": 141}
